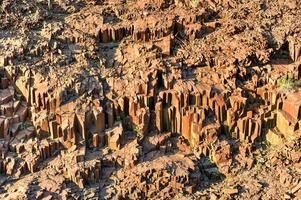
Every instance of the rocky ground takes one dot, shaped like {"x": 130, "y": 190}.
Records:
{"x": 150, "y": 99}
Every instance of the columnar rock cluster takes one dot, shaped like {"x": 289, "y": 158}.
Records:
{"x": 147, "y": 99}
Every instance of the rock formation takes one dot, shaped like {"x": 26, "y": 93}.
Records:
{"x": 150, "y": 99}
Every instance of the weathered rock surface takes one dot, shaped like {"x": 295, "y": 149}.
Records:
{"x": 149, "y": 99}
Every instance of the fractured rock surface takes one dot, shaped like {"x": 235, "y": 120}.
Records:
{"x": 184, "y": 99}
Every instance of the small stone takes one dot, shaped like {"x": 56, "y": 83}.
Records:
{"x": 230, "y": 191}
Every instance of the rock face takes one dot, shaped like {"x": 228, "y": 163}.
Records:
{"x": 150, "y": 99}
